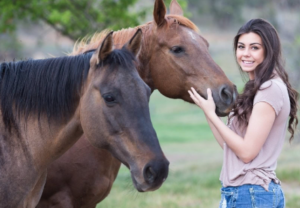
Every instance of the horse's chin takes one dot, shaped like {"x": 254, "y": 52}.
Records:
{"x": 143, "y": 187}
{"x": 138, "y": 186}
{"x": 222, "y": 113}
{"x": 149, "y": 175}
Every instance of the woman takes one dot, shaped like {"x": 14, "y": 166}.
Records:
{"x": 254, "y": 136}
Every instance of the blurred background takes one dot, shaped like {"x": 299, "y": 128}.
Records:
{"x": 45, "y": 28}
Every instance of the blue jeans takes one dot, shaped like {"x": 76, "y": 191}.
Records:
{"x": 252, "y": 196}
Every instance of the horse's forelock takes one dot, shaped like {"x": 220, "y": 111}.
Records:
{"x": 181, "y": 20}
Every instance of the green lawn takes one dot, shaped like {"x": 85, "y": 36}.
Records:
{"x": 195, "y": 163}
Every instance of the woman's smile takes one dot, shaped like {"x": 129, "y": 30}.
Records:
{"x": 249, "y": 52}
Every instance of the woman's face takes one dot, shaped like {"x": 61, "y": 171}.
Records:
{"x": 249, "y": 52}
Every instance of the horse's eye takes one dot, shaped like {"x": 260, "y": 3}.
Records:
{"x": 177, "y": 49}
{"x": 109, "y": 98}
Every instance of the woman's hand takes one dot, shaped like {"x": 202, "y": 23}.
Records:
{"x": 208, "y": 106}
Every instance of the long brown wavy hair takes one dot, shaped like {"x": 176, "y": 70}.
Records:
{"x": 264, "y": 72}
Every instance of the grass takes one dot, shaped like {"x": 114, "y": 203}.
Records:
{"x": 188, "y": 184}
{"x": 195, "y": 163}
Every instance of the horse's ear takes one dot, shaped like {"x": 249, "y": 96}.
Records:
{"x": 175, "y": 8}
{"x": 106, "y": 47}
{"x": 159, "y": 12}
{"x": 134, "y": 44}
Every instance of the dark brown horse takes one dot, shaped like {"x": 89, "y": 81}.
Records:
{"x": 173, "y": 58}
{"x": 46, "y": 105}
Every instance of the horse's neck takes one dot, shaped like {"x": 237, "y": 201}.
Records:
{"x": 144, "y": 57}
{"x": 24, "y": 162}
{"x": 57, "y": 139}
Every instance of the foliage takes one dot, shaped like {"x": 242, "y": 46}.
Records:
{"x": 73, "y": 18}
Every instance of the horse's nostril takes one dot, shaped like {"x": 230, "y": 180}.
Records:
{"x": 226, "y": 95}
{"x": 156, "y": 172}
{"x": 149, "y": 174}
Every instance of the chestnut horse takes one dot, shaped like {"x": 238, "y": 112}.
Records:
{"x": 46, "y": 105}
{"x": 173, "y": 58}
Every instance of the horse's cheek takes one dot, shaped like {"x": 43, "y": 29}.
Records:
{"x": 90, "y": 114}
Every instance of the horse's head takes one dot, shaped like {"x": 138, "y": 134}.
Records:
{"x": 115, "y": 114}
{"x": 180, "y": 60}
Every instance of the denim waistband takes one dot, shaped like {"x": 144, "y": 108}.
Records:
{"x": 272, "y": 185}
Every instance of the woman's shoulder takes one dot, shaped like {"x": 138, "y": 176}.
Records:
{"x": 274, "y": 92}
{"x": 273, "y": 85}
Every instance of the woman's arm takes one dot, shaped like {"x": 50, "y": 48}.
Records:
{"x": 215, "y": 132}
{"x": 260, "y": 124}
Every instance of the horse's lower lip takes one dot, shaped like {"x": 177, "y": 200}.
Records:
{"x": 221, "y": 113}
{"x": 141, "y": 188}
{"x": 138, "y": 188}
{"x": 136, "y": 185}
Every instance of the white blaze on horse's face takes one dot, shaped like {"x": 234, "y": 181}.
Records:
{"x": 192, "y": 35}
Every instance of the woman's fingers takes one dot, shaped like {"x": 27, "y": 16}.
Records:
{"x": 196, "y": 101}
{"x": 205, "y": 105}
{"x": 193, "y": 97}
{"x": 209, "y": 94}
{"x": 191, "y": 94}
{"x": 196, "y": 94}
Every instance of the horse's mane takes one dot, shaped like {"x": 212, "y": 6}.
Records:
{"x": 92, "y": 42}
{"x": 120, "y": 37}
{"x": 41, "y": 86}
{"x": 87, "y": 43}
{"x": 49, "y": 86}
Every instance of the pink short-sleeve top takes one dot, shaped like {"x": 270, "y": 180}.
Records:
{"x": 261, "y": 170}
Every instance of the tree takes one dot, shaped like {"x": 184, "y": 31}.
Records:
{"x": 73, "y": 18}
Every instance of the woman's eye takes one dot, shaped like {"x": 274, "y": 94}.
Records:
{"x": 240, "y": 46}
{"x": 177, "y": 49}
{"x": 255, "y": 48}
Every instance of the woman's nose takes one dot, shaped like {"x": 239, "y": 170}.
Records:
{"x": 246, "y": 52}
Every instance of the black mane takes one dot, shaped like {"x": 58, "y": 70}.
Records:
{"x": 49, "y": 86}
{"x": 119, "y": 57}
{"x": 41, "y": 86}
